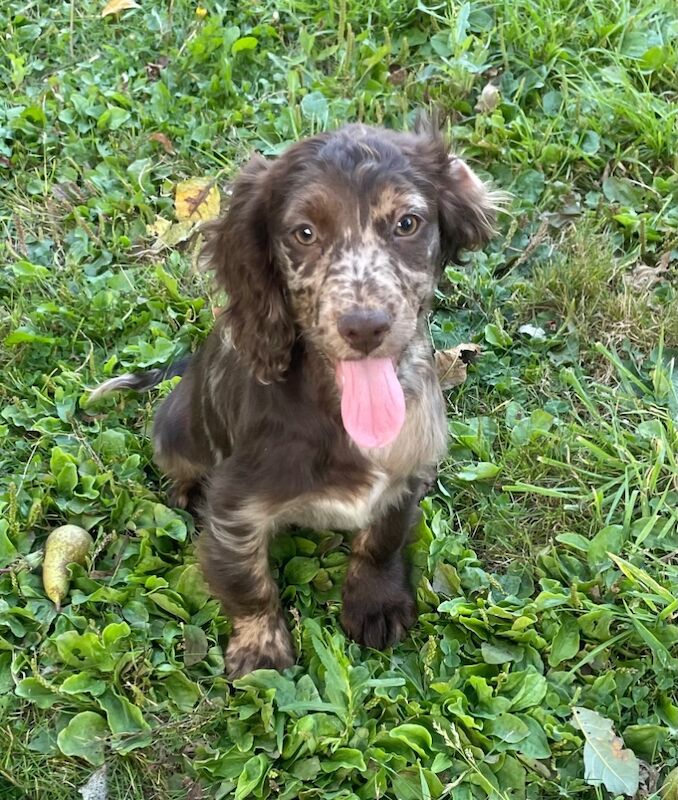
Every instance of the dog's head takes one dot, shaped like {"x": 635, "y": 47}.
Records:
{"x": 340, "y": 241}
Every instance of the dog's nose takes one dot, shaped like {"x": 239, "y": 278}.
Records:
{"x": 364, "y": 330}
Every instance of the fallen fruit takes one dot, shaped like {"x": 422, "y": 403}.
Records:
{"x": 65, "y": 545}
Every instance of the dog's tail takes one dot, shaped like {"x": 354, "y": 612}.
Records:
{"x": 139, "y": 381}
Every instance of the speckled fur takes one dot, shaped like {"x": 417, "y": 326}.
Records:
{"x": 255, "y": 420}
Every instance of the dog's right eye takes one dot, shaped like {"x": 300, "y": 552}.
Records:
{"x": 305, "y": 234}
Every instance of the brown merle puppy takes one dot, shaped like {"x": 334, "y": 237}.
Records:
{"x": 314, "y": 400}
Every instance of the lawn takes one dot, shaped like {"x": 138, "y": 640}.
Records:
{"x": 547, "y": 555}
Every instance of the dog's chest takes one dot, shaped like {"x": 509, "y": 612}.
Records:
{"x": 338, "y": 509}
{"x": 389, "y": 471}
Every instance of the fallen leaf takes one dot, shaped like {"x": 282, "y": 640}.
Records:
{"x": 159, "y": 226}
{"x": 163, "y": 141}
{"x": 197, "y": 200}
{"x": 451, "y": 364}
{"x": 397, "y": 75}
{"x": 533, "y": 332}
{"x": 154, "y": 68}
{"x": 116, "y": 6}
{"x": 96, "y": 787}
{"x": 644, "y": 277}
{"x": 606, "y": 761}
{"x": 489, "y": 99}
{"x": 170, "y": 235}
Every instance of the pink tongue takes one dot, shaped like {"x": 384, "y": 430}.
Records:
{"x": 372, "y": 401}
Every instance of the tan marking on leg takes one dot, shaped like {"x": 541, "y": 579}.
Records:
{"x": 259, "y": 641}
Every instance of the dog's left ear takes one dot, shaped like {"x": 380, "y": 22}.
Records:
{"x": 467, "y": 209}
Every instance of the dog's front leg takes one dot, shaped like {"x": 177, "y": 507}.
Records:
{"x": 379, "y": 604}
{"x": 234, "y": 557}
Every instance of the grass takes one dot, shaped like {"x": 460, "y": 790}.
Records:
{"x": 546, "y": 555}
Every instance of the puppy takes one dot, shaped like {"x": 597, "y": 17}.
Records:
{"x": 314, "y": 401}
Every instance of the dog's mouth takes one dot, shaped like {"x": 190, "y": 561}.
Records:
{"x": 372, "y": 401}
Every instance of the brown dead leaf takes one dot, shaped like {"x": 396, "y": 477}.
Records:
{"x": 451, "y": 364}
{"x": 489, "y": 99}
{"x": 644, "y": 277}
{"x": 116, "y": 6}
{"x": 197, "y": 200}
{"x": 397, "y": 75}
{"x": 154, "y": 68}
{"x": 163, "y": 141}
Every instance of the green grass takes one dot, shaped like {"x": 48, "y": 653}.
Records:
{"x": 564, "y": 440}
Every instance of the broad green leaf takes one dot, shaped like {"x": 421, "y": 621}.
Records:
{"x": 608, "y": 540}
{"x": 646, "y": 741}
{"x": 499, "y": 652}
{"x": 344, "y": 758}
{"x": 315, "y": 106}
{"x": 606, "y": 761}
{"x": 123, "y": 717}
{"x": 8, "y": 551}
{"x": 187, "y": 580}
{"x": 84, "y": 737}
{"x": 37, "y": 692}
{"x": 482, "y": 471}
{"x": 524, "y": 689}
{"x": 83, "y": 683}
{"x": 306, "y": 769}
{"x": 244, "y": 43}
{"x": 301, "y": 571}
{"x": 183, "y": 692}
{"x": 168, "y": 603}
{"x": 565, "y": 643}
{"x": 497, "y": 337}
{"x": 507, "y": 727}
{"x": 535, "y": 744}
{"x": 415, "y": 736}
{"x": 669, "y": 789}
{"x": 251, "y": 777}
{"x": 195, "y": 645}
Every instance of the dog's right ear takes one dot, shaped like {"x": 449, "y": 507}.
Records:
{"x": 239, "y": 250}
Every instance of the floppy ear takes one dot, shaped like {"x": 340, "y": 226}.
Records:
{"x": 466, "y": 209}
{"x": 239, "y": 250}
{"x": 466, "y": 206}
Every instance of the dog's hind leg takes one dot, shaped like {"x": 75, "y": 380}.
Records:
{"x": 177, "y": 450}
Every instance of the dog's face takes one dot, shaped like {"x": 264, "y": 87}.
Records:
{"x": 359, "y": 249}
{"x": 341, "y": 241}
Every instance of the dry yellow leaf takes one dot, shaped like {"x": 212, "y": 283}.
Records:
{"x": 643, "y": 277}
{"x": 489, "y": 99}
{"x": 159, "y": 226}
{"x": 196, "y": 200}
{"x": 116, "y": 6}
{"x": 451, "y": 364}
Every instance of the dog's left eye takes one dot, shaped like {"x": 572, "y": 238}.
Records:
{"x": 407, "y": 225}
{"x": 305, "y": 234}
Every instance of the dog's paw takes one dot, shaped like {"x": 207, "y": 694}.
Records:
{"x": 185, "y": 495}
{"x": 377, "y": 612}
{"x": 258, "y": 642}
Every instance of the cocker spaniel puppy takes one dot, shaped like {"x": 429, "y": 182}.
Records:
{"x": 314, "y": 401}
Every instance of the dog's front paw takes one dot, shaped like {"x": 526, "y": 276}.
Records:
{"x": 258, "y": 642}
{"x": 378, "y": 608}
